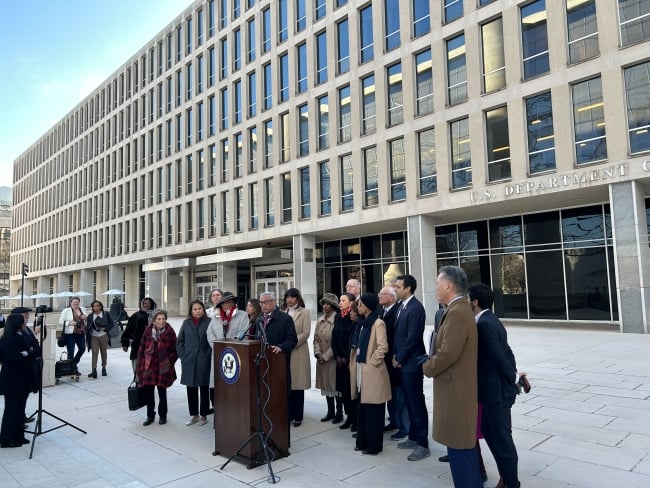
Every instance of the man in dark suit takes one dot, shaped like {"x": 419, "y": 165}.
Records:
{"x": 497, "y": 375}
{"x": 408, "y": 349}
{"x": 397, "y": 412}
{"x": 277, "y": 325}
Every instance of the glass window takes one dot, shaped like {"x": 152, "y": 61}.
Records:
{"x": 199, "y": 74}
{"x": 456, "y": 70}
{"x": 223, "y": 13}
{"x": 391, "y": 25}
{"x": 225, "y": 212}
{"x": 301, "y": 54}
{"x": 371, "y": 182}
{"x": 286, "y": 197}
{"x": 210, "y": 18}
{"x": 252, "y": 94}
{"x": 498, "y": 144}
{"x": 239, "y": 154}
{"x": 305, "y": 194}
{"x": 284, "y": 77}
{"x": 421, "y": 18}
{"x": 424, "y": 83}
{"x": 285, "y": 144}
{"x": 323, "y": 122}
{"x": 189, "y": 173}
{"x": 239, "y": 208}
{"x": 225, "y": 162}
{"x": 212, "y": 62}
{"x": 342, "y": 47}
{"x": 238, "y": 103}
{"x": 321, "y": 58}
{"x": 268, "y": 144}
{"x": 199, "y": 121}
{"x": 397, "y": 170}
{"x": 224, "y": 109}
{"x": 254, "y": 206}
{"x": 236, "y": 9}
{"x": 236, "y": 48}
{"x": 266, "y": 30}
{"x": 427, "y": 162}
{"x": 635, "y": 21}
{"x": 582, "y": 30}
{"x": 200, "y": 156}
{"x": 461, "y": 158}
{"x": 541, "y": 140}
{"x": 301, "y": 15}
{"x": 366, "y": 43}
{"x": 212, "y": 165}
{"x": 251, "y": 40}
{"x": 395, "y": 97}
{"x": 303, "y": 130}
{"x": 283, "y": 22}
{"x": 324, "y": 184}
{"x": 534, "y": 39}
{"x": 224, "y": 59}
{"x": 268, "y": 87}
{"x": 269, "y": 198}
{"x": 212, "y": 115}
{"x": 252, "y": 150}
{"x": 188, "y": 36}
{"x": 199, "y": 27}
{"x": 347, "y": 190}
{"x": 637, "y": 91}
{"x": 494, "y": 59}
{"x": 320, "y": 7}
{"x": 453, "y": 9}
{"x": 345, "y": 115}
{"x": 368, "y": 114}
{"x": 589, "y": 121}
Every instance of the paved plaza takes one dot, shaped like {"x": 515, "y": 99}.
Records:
{"x": 586, "y": 423}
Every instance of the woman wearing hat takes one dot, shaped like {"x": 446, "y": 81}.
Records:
{"x": 228, "y": 322}
{"x": 369, "y": 376}
{"x": 341, "y": 337}
{"x": 326, "y": 364}
{"x": 294, "y": 305}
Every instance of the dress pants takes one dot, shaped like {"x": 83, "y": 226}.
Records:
{"x": 399, "y": 415}
{"x": 80, "y": 341}
{"x": 148, "y": 391}
{"x": 464, "y": 467}
{"x": 13, "y": 418}
{"x": 296, "y": 405}
{"x": 496, "y": 425}
{"x": 196, "y": 408}
{"x": 370, "y": 427}
{"x": 412, "y": 387}
{"x": 98, "y": 345}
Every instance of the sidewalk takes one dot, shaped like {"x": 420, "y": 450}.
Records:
{"x": 586, "y": 423}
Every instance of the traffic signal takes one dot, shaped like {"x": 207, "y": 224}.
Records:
{"x": 25, "y": 269}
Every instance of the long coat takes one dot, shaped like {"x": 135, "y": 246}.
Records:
{"x": 300, "y": 364}
{"x": 238, "y": 324}
{"x": 156, "y": 358}
{"x": 375, "y": 384}
{"x": 194, "y": 352}
{"x": 16, "y": 372}
{"x": 132, "y": 334}
{"x": 453, "y": 368}
{"x": 326, "y": 372}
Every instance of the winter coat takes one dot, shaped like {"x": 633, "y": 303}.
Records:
{"x": 326, "y": 372}
{"x": 195, "y": 352}
{"x": 132, "y": 334}
{"x": 66, "y": 319}
{"x": 16, "y": 376}
{"x": 375, "y": 384}
{"x": 91, "y": 325}
{"x": 300, "y": 364}
{"x": 453, "y": 369}
{"x": 238, "y": 324}
{"x": 156, "y": 358}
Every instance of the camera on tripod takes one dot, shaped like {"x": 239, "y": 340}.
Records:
{"x": 41, "y": 309}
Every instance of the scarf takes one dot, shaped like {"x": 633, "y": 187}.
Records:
{"x": 226, "y": 318}
{"x": 195, "y": 320}
{"x": 365, "y": 325}
{"x": 156, "y": 332}
{"x": 344, "y": 313}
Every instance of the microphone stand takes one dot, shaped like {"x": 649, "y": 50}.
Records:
{"x": 38, "y": 426}
{"x": 265, "y": 454}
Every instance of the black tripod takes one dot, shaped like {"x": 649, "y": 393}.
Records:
{"x": 265, "y": 454}
{"x": 38, "y": 426}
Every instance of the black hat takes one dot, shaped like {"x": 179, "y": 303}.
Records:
{"x": 370, "y": 300}
{"x": 21, "y": 310}
{"x": 227, "y": 297}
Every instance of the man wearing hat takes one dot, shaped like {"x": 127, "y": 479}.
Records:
{"x": 228, "y": 323}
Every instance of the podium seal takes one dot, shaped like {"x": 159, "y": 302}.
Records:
{"x": 229, "y": 366}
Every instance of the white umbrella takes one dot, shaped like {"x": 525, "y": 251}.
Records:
{"x": 39, "y": 295}
{"x": 6, "y": 298}
{"x": 63, "y": 294}
{"x": 114, "y": 291}
{"x": 82, "y": 293}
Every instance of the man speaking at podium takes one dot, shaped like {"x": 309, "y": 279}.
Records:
{"x": 276, "y": 327}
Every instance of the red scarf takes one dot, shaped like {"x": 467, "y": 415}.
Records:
{"x": 344, "y": 313}
{"x": 195, "y": 320}
{"x": 225, "y": 319}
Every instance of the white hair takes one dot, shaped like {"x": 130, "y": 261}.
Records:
{"x": 269, "y": 294}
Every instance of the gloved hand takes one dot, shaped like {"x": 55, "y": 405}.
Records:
{"x": 24, "y": 354}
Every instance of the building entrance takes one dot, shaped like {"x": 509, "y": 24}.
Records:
{"x": 275, "y": 278}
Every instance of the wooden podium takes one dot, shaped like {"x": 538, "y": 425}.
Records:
{"x": 235, "y": 401}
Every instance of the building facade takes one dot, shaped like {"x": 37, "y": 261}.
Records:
{"x": 257, "y": 145}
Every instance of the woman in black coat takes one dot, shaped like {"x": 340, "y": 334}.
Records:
{"x": 341, "y": 335}
{"x": 16, "y": 380}
{"x": 132, "y": 335}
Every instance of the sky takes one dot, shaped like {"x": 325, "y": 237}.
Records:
{"x": 55, "y": 52}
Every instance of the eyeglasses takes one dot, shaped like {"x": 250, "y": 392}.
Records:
{"x": 264, "y": 302}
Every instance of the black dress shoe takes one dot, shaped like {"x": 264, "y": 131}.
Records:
{"x": 297, "y": 423}
{"x": 149, "y": 421}
{"x": 444, "y": 459}
{"x": 370, "y": 453}
{"x": 358, "y": 448}
{"x": 10, "y": 444}
{"x": 345, "y": 425}
{"x": 162, "y": 420}
{"x": 390, "y": 428}
{"x": 28, "y": 419}
{"x": 329, "y": 416}
{"x": 25, "y": 441}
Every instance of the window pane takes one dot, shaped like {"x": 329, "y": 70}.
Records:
{"x": 427, "y": 160}
{"x": 395, "y": 99}
{"x": 366, "y": 41}
{"x": 371, "y": 192}
{"x": 456, "y": 70}
{"x": 494, "y": 61}
{"x": 637, "y": 90}
{"x": 534, "y": 39}
{"x": 635, "y": 20}
{"x": 397, "y": 170}
{"x": 323, "y": 122}
{"x": 345, "y": 115}
{"x": 461, "y": 160}
{"x": 421, "y": 18}
{"x": 424, "y": 83}
{"x": 347, "y": 190}
{"x": 498, "y": 144}
{"x": 343, "y": 47}
{"x": 582, "y": 30}
{"x": 589, "y": 121}
{"x": 391, "y": 24}
{"x": 369, "y": 109}
{"x": 541, "y": 141}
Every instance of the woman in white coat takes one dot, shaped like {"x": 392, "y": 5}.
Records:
{"x": 73, "y": 323}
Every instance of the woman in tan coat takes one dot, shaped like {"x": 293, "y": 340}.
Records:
{"x": 300, "y": 364}
{"x": 326, "y": 363}
{"x": 369, "y": 375}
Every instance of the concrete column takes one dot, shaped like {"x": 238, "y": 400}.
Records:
{"x": 422, "y": 257}
{"x": 115, "y": 277}
{"x": 631, "y": 255}
{"x": 132, "y": 277}
{"x": 227, "y": 277}
{"x": 304, "y": 270}
{"x": 154, "y": 287}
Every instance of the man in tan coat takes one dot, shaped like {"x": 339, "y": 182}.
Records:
{"x": 452, "y": 366}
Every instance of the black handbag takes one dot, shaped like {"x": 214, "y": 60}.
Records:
{"x": 136, "y": 400}
{"x": 60, "y": 341}
{"x": 64, "y": 367}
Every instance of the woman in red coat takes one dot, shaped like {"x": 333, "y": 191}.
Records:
{"x": 155, "y": 366}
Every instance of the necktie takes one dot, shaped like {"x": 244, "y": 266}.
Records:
{"x": 399, "y": 310}
{"x": 267, "y": 317}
